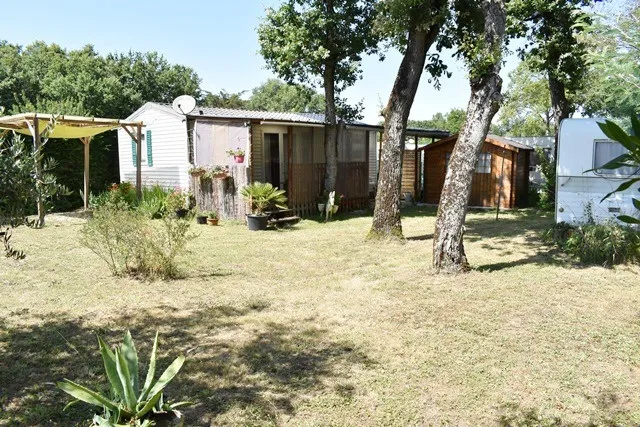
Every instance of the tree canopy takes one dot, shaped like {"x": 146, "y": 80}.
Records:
{"x": 275, "y": 95}
{"x": 451, "y": 121}
{"x": 613, "y": 87}
{"x": 526, "y": 110}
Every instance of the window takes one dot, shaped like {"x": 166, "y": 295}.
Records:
{"x": 605, "y": 151}
{"x": 484, "y": 163}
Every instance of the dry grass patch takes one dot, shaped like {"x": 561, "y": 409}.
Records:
{"x": 316, "y": 326}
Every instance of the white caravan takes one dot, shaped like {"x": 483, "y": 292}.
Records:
{"x": 583, "y": 146}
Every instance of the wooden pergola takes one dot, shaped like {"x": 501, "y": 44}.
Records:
{"x": 38, "y": 125}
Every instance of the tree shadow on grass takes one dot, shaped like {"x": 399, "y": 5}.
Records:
{"x": 609, "y": 413}
{"x": 247, "y": 375}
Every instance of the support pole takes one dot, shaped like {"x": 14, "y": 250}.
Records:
{"x": 37, "y": 148}
{"x": 86, "y": 141}
{"x": 139, "y": 163}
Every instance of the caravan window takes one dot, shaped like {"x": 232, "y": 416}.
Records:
{"x": 605, "y": 151}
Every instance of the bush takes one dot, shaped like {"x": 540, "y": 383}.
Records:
{"x": 153, "y": 204}
{"x": 603, "y": 244}
{"x": 131, "y": 243}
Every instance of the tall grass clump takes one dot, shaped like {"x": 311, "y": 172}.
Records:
{"x": 131, "y": 243}
{"x": 602, "y": 244}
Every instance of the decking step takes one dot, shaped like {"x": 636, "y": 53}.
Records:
{"x": 290, "y": 220}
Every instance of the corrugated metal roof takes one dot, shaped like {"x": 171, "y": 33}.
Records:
{"x": 227, "y": 113}
{"x": 310, "y": 118}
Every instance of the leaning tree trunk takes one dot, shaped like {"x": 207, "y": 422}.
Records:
{"x": 386, "y": 214}
{"x": 559, "y": 105}
{"x": 331, "y": 131}
{"x": 448, "y": 246}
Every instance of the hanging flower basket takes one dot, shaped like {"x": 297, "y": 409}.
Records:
{"x": 239, "y": 159}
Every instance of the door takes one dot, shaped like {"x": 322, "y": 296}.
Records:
{"x": 275, "y": 155}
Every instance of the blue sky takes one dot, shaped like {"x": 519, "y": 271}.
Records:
{"x": 216, "y": 38}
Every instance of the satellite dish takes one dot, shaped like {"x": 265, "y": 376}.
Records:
{"x": 184, "y": 104}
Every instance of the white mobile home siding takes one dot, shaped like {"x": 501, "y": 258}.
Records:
{"x": 577, "y": 191}
{"x": 169, "y": 149}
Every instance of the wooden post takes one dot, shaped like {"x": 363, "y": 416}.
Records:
{"x": 290, "y": 160}
{"x": 35, "y": 131}
{"x": 139, "y": 163}
{"x": 366, "y": 148}
{"x": 415, "y": 171}
{"x": 86, "y": 141}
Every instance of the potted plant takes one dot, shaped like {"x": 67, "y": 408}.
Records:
{"x": 321, "y": 200}
{"x": 201, "y": 218}
{"x": 197, "y": 171}
{"x": 238, "y": 155}
{"x": 336, "y": 203}
{"x": 219, "y": 172}
{"x": 127, "y": 400}
{"x": 212, "y": 218}
{"x": 262, "y": 195}
{"x": 176, "y": 201}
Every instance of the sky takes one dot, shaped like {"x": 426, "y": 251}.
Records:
{"x": 217, "y": 38}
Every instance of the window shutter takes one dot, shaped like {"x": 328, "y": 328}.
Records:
{"x": 134, "y": 153}
{"x": 149, "y": 149}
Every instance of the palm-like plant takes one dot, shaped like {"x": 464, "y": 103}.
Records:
{"x": 128, "y": 405}
{"x": 261, "y": 195}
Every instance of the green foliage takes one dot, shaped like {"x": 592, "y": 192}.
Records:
{"x": 127, "y": 403}
{"x": 262, "y": 195}
{"x": 526, "y": 109}
{"x": 602, "y": 244}
{"x": 613, "y": 56}
{"x": 176, "y": 200}
{"x": 451, "y": 121}
{"x": 552, "y": 29}
{"x": 47, "y": 78}
{"x": 547, "y": 190}
{"x": 130, "y": 242}
{"x": 630, "y": 159}
{"x": 19, "y": 189}
{"x": 275, "y": 95}
{"x": 300, "y": 38}
{"x": 224, "y": 99}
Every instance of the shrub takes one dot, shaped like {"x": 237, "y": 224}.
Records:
{"x": 603, "y": 244}
{"x": 131, "y": 243}
{"x": 128, "y": 402}
{"x": 261, "y": 196}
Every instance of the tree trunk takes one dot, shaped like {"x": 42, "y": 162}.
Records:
{"x": 448, "y": 246}
{"x": 559, "y": 105}
{"x": 386, "y": 215}
{"x": 331, "y": 131}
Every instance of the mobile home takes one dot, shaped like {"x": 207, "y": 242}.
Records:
{"x": 583, "y": 146}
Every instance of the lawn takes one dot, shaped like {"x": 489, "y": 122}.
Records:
{"x": 313, "y": 326}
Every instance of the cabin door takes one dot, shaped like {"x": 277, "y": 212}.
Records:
{"x": 275, "y": 146}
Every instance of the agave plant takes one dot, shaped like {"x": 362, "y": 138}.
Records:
{"x": 128, "y": 404}
{"x": 261, "y": 195}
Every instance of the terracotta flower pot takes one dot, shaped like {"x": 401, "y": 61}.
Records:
{"x": 212, "y": 221}
{"x": 239, "y": 159}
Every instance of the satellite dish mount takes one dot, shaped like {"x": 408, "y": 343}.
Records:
{"x": 184, "y": 104}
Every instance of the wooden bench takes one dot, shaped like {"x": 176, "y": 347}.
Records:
{"x": 283, "y": 217}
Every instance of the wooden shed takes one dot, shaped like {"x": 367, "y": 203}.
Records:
{"x": 502, "y": 172}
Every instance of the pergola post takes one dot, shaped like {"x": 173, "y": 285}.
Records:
{"x": 139, "y": 163}
{"x": 137, "y": 137}
{"x": 86, "y": 141}
{"x": 34, "y": 128}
